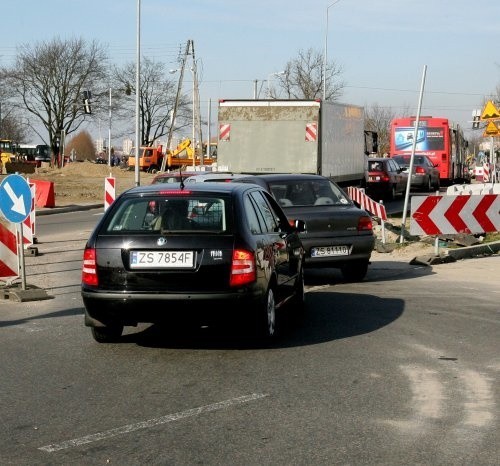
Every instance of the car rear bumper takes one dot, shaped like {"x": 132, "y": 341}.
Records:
{"x": 131, "y": 308}
{"x": 360, "y": 250}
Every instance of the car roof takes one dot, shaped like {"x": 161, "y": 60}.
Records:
{"x": 193, "y": 187}
{"x": 213, "y": 176}
{"x": 286, "y": 176}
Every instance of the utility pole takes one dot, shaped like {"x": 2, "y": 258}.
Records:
{"x": 196, "y": 112}
{"x": 176, "y": 104}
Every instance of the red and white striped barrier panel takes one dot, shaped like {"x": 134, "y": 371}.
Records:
{"x": 109, "y": 192}
{"x": 9, "y": 259}
{"x": 367, "y": 203}
{"x": 486, "y": 172}
{"x": 442, "y": 215}
{"x": 29, "y": 222}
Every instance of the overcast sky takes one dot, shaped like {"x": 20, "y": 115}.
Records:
{"x": 381, "y": 45}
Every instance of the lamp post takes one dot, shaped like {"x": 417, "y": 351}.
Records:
{"x": 137, "y": 95}
{"x": 109, "y": 131}
{"x": 325, "y": 59}
{"x": 279, "y": 73}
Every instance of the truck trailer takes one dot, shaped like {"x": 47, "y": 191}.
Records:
{"x": 292, "y": 136}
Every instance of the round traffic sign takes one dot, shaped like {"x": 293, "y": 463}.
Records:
{"x": 15, "y": 198}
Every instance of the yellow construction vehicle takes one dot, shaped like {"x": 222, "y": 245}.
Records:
{"x": 184, "y": 154}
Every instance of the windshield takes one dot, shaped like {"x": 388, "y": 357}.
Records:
{"x": 308, "y": 192}
{"x": 161, "y": 214}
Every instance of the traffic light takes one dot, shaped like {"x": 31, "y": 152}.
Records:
{"x": 475, "y": 122}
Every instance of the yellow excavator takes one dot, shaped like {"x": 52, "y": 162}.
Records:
{"x": 176, "y": 158}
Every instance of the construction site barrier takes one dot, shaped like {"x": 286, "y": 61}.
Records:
{"x": 45, "y": 196}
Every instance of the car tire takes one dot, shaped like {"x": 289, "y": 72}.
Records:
{"x": 267, "y": 317}
{"x": 429, "y": 185}
{"x": 299, "y": 300}
{"x": 355, "y": 272}
{"x": 108, "y": 334}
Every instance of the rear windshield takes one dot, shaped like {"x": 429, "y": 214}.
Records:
{"x": 307, "y": 193}
{"x": 405, "y": 161}
{"x": 155, "y": 214}
{"x": 375, "y": 166}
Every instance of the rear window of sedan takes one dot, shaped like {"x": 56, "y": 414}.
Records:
{"x": 183, "y": 214}
{"x": 307, "y": 193}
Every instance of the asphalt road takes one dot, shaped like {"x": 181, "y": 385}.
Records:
{"x": 399, "y": 369}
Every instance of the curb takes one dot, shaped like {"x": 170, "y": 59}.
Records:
{"x": 452, "y": 255}
{"x": 68, "y": 208}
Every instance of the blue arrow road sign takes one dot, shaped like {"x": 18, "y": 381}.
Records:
{"x": 15, "y": 198}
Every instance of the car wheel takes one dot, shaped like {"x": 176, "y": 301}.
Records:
{"x": 108, "y": 334}
{"x": 437, "y": 185}
{"x": 429, "y": 185}
{"x": 267, "y": 316}
{"x": 299, "y": 299}
{"x": 355, "y": 272}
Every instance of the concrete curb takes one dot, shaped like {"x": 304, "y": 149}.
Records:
{"x": 68, "y": 208}
{"x": 452, "y": 255}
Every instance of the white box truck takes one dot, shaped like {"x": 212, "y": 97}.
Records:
{"x": 292, "y": 136}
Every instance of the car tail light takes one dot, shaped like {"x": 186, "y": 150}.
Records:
{"x": 365, "y": 224}
{"x": 89, "y": 269}
{"x": 243, "y": 269}
{"x": 419, "y": 171}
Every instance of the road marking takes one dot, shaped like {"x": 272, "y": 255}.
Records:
{"x": 151, "y": 422}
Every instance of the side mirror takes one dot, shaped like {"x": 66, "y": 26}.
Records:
{"x": 299, "y": 225}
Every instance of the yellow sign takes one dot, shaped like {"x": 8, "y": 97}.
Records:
{"x": 491, "y": 129}
{"x": 490, "y": 112}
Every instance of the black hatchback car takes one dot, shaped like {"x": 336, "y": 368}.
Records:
{"x": 339, "y": 234}
{"x": 207, "y": 249}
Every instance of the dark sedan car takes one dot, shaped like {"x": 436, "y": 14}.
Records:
{"x": 150, "y": 259}
{"x": 384, "y": 178}
{"x": 339, "y": 234}
{"x": 425, "y": 175}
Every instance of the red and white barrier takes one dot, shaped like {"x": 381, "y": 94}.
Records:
{"x": 29, "y": 222}
{"x": 439, "y": 215}
{"x": 375, "y": 208}
{"x": 9, "y": 259}
{"x": 109, "y": 191}
{"x": 486, "y": 173}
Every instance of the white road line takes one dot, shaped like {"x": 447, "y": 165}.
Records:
{"x": 151, "y": 423}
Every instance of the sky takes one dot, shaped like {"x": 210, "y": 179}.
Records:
{"x": 382, "y": 46}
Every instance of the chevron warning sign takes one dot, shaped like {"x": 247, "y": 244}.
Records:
{"x": 441, "y": 215}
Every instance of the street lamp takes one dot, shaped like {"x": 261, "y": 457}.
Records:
{"x": 137, "y": 96}
{"x": 279, "y": 73}
{"x": 326, "y": 50}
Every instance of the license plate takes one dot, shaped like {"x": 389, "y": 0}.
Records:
{"x": 328, "y": 251}
{"x": 161, "y": 259}
{"x": 374, "y": 178}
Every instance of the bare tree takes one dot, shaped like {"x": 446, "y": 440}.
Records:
{"x": 81, "y": 146}
{"x": 48, "y": 80}
{"x": 12, "y": 127}
{"x": 303, "y": 78}
{"x": 378, "y": 119}
{"x": 157, "y": 98}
